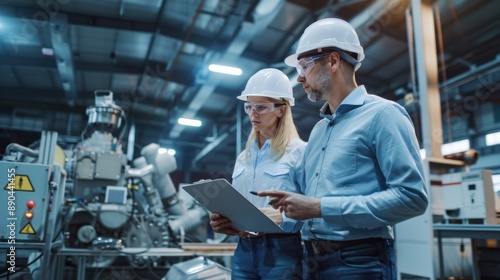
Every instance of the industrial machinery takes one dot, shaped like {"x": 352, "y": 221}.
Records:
{"x": 32, "y": 198}
{"x": 462, "y": 203}
{"x": 92, "y": 198}
{"x": 468, "y": 197}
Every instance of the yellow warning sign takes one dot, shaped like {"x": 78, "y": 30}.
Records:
{"x": 21, "y": 183}
{"x": 28, "y": 229}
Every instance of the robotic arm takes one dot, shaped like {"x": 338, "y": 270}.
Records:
{"x": 153, "y": 168}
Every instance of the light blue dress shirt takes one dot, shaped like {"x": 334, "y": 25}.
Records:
{"x": 260, "y": 171}
{"x": 364, "y": 164}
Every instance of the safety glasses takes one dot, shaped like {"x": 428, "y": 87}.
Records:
{"x": 260, "y": 108}
{"x": 306, "y": 64}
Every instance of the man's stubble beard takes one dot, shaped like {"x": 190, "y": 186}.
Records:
{"x": 324, "y": 85}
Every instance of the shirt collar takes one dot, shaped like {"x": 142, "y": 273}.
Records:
{"x": 355, "y": 99}
{"x": 266, "y": 144}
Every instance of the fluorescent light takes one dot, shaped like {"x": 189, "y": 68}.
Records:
{"x": 455, "y": 147}
{"x": 48, "y": 51}
{"x": 493, "y": 138}
{"x": 225, "y": 69}
{"x": 189, "y": 122}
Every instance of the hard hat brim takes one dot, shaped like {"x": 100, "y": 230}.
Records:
{"x": 291, "y": 60}
{"x": 242, "y": 97}
{"x": 291, "y": 101}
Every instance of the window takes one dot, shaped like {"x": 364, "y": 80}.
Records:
{"x": 455, "y": 147}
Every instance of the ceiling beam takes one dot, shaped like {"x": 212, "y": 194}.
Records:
{"x": 40, "y": 104}
{"x": 180, "y": 76}
{"x": 59, "y": 34}
{"x": 373, "y": 13}
{"x": 16, "y": 61}
{"x": 208, "y": 148}
{"x": 113, "y": 23}
{"x": 235, "y": 49}
{"x": 154, "y": 38}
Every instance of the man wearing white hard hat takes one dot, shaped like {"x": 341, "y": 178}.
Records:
{"x": 362, "y": 163}
{"x": 272, "y": 159}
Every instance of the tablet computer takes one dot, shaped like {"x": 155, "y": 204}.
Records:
{"x": 219, "y": 196}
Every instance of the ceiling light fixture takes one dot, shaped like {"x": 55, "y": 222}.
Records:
{"x": 225, "y": 69}
{"x": 492, "y": 139}
{"x": 189, "y": 122}
{"x": 48, "y": 51}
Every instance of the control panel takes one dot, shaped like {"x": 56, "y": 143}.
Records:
{"x": 25, "y": 200}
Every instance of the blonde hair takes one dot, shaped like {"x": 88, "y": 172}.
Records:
{"x": 285, "y": 132}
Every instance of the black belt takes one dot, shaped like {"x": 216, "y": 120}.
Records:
{"x": 272, "y": 235}
{"x": 324, "y": 247}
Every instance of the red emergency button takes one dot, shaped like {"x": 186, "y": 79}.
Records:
{"x": 30, "y": 204}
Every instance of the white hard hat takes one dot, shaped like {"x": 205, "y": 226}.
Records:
{"x": 328, "y": 33}
{"x": 269, "y": 82}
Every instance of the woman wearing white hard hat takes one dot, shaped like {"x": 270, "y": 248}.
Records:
{"x": 362, "y": 163}
{"x": 272, "y": 159}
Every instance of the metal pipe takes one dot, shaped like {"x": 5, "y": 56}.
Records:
{"x": 14, "y": 147}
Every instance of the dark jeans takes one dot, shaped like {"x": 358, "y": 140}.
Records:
{"x": 370, "y": 261}
{"x": 264, "y": 257}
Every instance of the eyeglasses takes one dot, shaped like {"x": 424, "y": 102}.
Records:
{"x": 260, "y": 108}
{"x": 306, "y": 64}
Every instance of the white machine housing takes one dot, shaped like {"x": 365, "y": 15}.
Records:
{"x": 468, "y": 197}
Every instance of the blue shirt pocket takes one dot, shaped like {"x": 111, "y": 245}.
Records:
{"x": 277, "y": 177}
{"x": 340, "y": 158}
{"x": 277, "y": 170}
